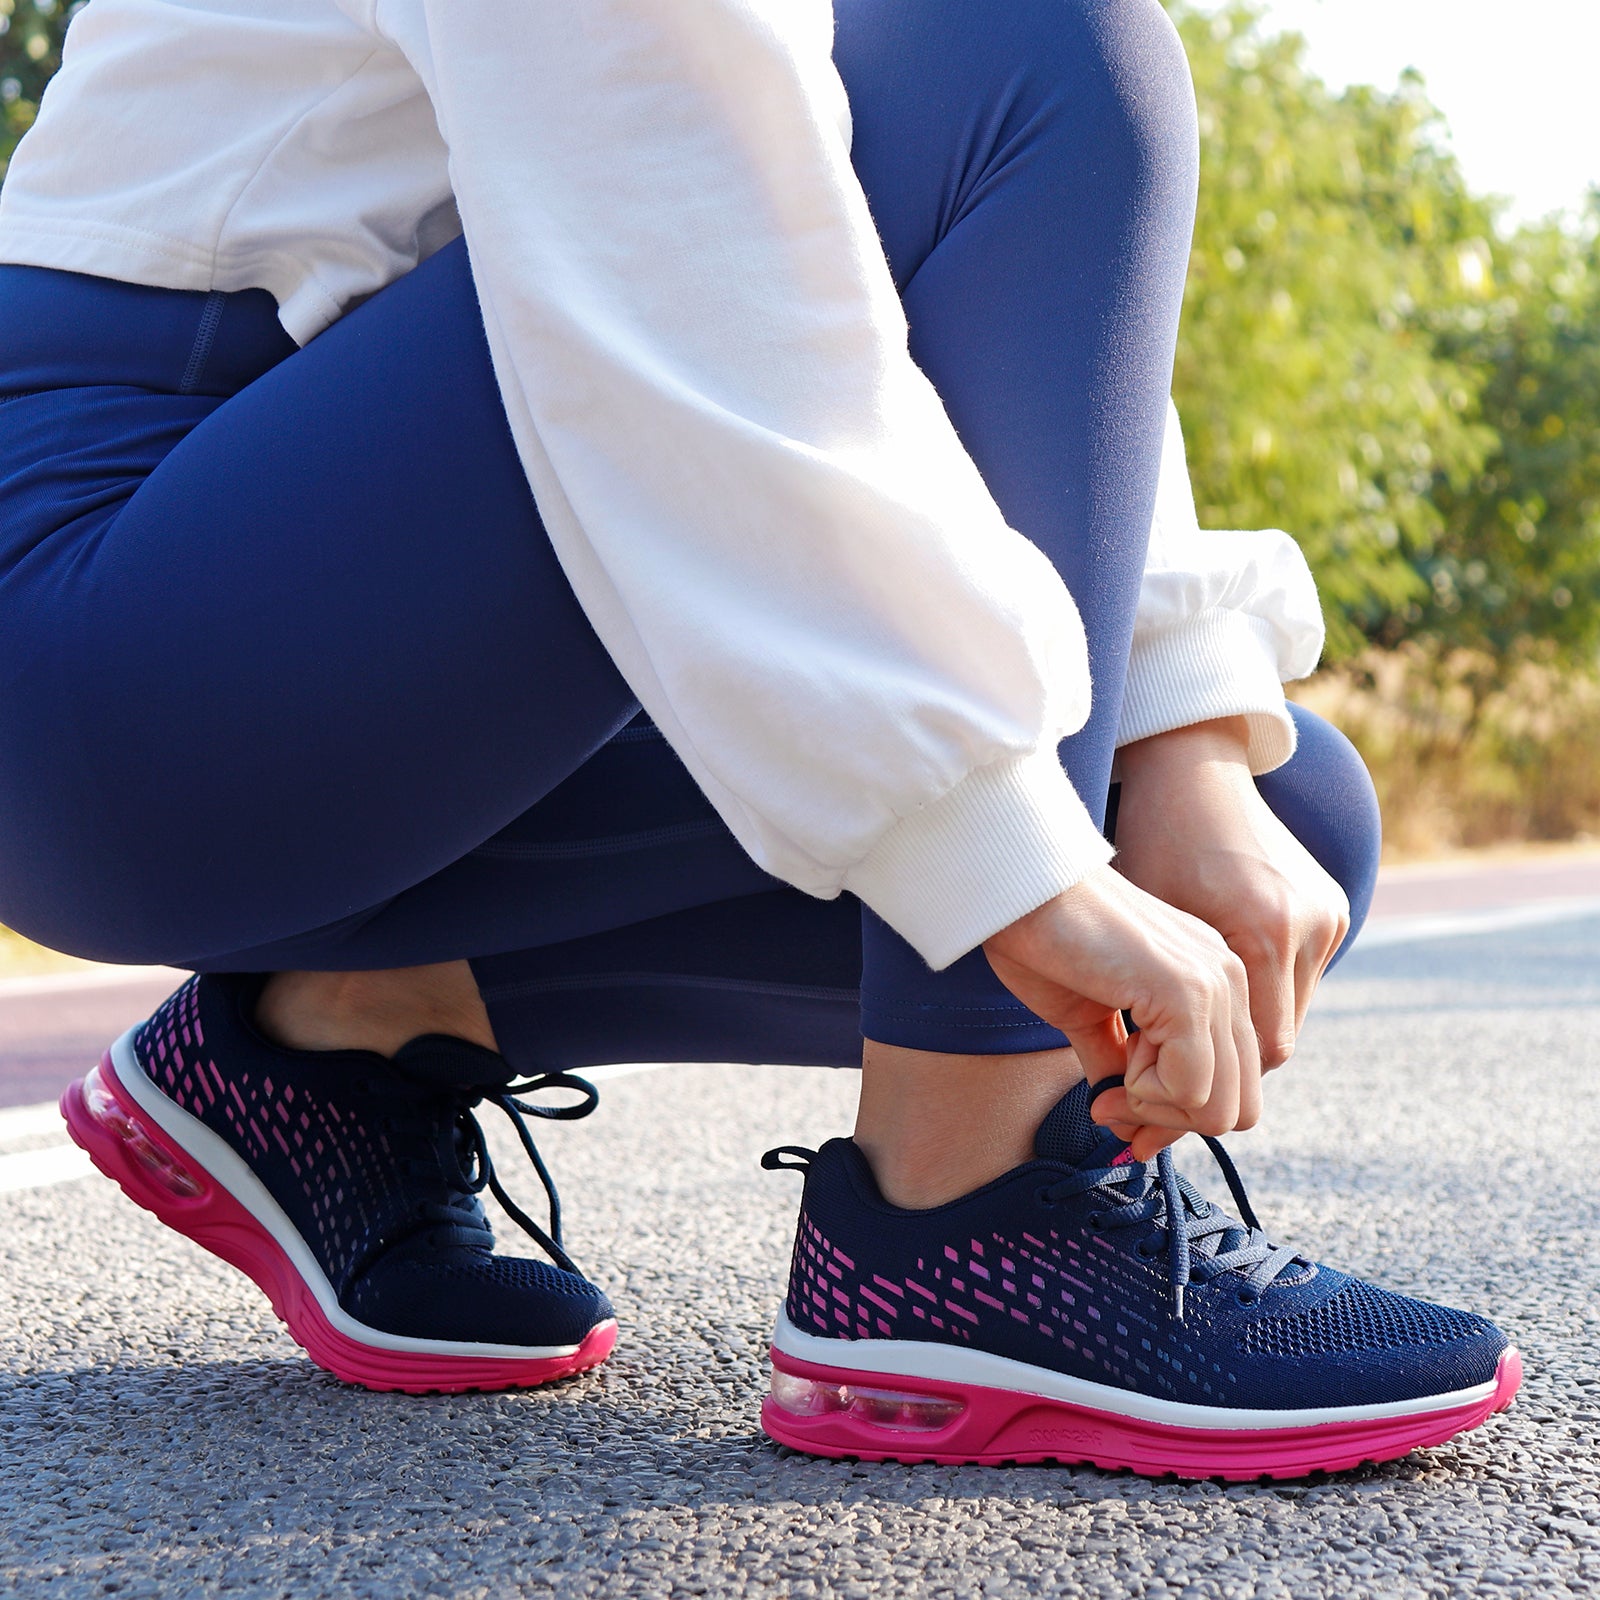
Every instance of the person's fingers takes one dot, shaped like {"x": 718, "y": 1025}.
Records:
{"x": 1316, "y": 951}
{"x": 1190, "y": 1058}
{"x": 1248, "y": 1062}
{"x": 1310, "y": 963}
{"x": 1272, "y": 976}
{"x": 1172, "y": 1063}
{"x": 1104, "y": 1054}
{"x": 1116, "y": 1108}
{"x": 1110, "y": 1110}
{"x": 1121, "y": 1109}
{"x": 1216, "y": 1065}
{"x": 1147, "y": 1143}
{"x": 1220, "y": 1113}
{"x": 1341, "y": 928}
{"x": 1102, "y": 1048}
{"x": 1105, "y": 946}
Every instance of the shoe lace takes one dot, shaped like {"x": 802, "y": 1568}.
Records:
{"x": 1154, "y": 1193}
{"x": 470, "y": 1169}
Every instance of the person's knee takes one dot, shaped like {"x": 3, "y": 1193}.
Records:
{"x": 1088, "y": 102}
{"x": 1103, "y": 76}
{"x": 1124, "y": 65}
{"x": 1119, "y": 61}
{"x": 1325, "y": 796}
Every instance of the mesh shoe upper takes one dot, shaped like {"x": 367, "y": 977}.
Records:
{"x": 369, "y": 1160}
{"x": 1066, "y": 1263}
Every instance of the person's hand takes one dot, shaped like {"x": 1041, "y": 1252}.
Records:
{"x": 1193, "y": 830}
{"x": 1105, "y": 947}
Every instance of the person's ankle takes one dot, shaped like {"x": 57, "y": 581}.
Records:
{"x": 934, "y": 1127}
{"x": 378, "y": 1011}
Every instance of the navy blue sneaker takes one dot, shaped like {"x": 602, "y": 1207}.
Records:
{"x": 346, "y": 1186}
{"x": 1086, "y": 1307}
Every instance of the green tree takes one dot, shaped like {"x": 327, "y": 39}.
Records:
{"x": 30, "y": 50}
{"x": 1336, "y": 243}
{"x": 1515, "y": 569}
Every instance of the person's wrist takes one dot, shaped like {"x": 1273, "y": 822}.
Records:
{"x": 1224, "y": 740}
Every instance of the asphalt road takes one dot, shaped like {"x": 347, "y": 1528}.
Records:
{"x": 1437, "y": 1131}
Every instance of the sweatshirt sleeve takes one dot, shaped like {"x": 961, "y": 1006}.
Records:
{"x": 757, "y": 497}
{"x": 1224, "y": 620}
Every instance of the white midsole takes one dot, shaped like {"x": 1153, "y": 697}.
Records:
{"x": 225, "y": 1165}
{"x": 947, "y": 1363}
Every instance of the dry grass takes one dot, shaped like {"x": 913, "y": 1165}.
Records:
{"x": 1463, "y": 760}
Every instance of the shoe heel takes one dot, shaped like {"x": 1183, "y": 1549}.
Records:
{"x": 124, "y": 1145}
{"x": 874, "y": 1409}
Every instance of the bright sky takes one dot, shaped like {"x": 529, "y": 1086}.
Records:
{"x": 1516, "y": 81}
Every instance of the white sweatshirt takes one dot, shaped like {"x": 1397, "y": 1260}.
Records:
{"x": 757, "y": 497}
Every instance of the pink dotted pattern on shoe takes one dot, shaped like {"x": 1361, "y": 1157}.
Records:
{"x": 346, "y": 1173}
{"x": 1070, "y": 1293}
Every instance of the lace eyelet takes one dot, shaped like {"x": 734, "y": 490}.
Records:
{"x": 1041, "y": 1195}
{"x": 1147, "y": 1250}
{"x": 1248, "y": 1297}
{"x": 1096, "y": 1219}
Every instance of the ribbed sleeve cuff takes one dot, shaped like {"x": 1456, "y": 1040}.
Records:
{"x": 1215, "y": 664}
{"x": 1006, "y": 839}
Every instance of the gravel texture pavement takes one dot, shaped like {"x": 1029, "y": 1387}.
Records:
{"x": 1438, "y": 1131}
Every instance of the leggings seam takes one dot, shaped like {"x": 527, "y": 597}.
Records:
{"x": 938, "y": 1014}
{"x": 922, "y": 1006}
{"x": 205, "y": 337}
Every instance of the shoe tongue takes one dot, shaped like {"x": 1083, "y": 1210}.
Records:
{"x": 1068, "y": 1136}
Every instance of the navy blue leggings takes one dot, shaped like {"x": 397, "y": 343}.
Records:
{"x": 290, "y": 676}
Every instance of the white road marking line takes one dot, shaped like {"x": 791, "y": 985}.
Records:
{"x": 38, "y": 1169}
{"x": 27, "y": 1122}
{"x": 1417, "y": 928}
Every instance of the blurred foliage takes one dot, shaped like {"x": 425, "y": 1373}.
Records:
{"x": 1333, "y": 240}
{"x": 1515, "y": 570}
{"x": 1368, "y": 361}
{"x": 30, "y": 50}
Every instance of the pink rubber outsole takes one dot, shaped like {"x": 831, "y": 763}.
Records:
{"x": 886, "y": 1418}
{"x": 156, "y": 1173}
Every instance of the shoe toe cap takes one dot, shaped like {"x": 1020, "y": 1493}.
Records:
{"x": 1364, "y": 1346}
{"x": 473, "y": 1297}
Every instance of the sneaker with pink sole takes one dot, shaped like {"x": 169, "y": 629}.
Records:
{"x": 346, "y": 1184}
{"x": 1086, "y": 1307}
